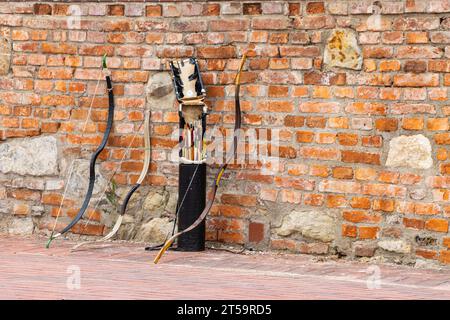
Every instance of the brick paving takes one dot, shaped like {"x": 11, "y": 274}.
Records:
{"x": 126, "y": 271}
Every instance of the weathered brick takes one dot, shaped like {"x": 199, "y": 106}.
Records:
{"x": 342, "y": 173}
{"x": 360, "y": 157}
{"x": 42, "y": 9}
{"x": 349, "y": 231}
{"x": 153, "y": 10}
{"x": 387, "y": 124}
{"x": 294, "y": 8}
{"x": 252, "y": 8}
{"x": 415, "y": 66}
{"x": 416, "y": 80}
{"x": 360, "y": 217}
{"x": 315, "y": 8}
{"x": 438, "y": 225}
{"x": 116, "y": 10}
{"x": 368, "y": 232}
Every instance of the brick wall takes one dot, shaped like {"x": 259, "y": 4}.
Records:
{"x": 335, "y": 124}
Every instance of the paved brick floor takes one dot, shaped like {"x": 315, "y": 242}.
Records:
{"x": 126, "y": 271}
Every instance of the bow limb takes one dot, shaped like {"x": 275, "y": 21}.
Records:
{"x": 93, "y": 159}
{"x": 147, "y": 158}
{"x": 237, "y": 127}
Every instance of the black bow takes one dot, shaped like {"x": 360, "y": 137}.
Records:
{"x": 93, "y": 158}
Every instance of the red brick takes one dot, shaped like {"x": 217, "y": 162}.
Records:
{"x": 444, "y": 256}
{"x": 386, "y": 205}
{"x": 42, "y": 9}
{"x": 437, "y": 124}
{"x": 229, "y": 25}
{"x": 116, "y": 10}
{"x": 427, "y": 254}
{"x": 383, "y": 190}
{"x": 319, "y": 107}
{"x": 415, "y": 66}
{"x": 211, "y": 9}
{"x": 416, "y": 80}
{"x": 412, "y": 123}
{"x": 335, "y": 201}
{"x": 416, "y": 37}
{"x": 418, "y": 52}
{"x": 413, "y": 223}
{"x": 360, "y": 203}
{"x": 339, "y": 186}
{"x": 270, "y": 23}
{"x": 319, "y": 153}
{"x": 377, "y": 52}
{"x": 216, "y": 52}
{"x": 360, "y": 157}
{"x": 315, "y": 8}
{"x": 295, "y": 183}
{"x": 386, "y": 124}
{"x": 317, "y": 78}
{"x": 438, "y": 225}
{"x": 252, "y": 8}
{"x": 283, "y": 244}
{"x": 368, "y": 232}
{"x": 313, "y": 199}
{"x": 290, "y": 196}
{"x": 314, "y": 22}
{"x": 360, "y": 217}
{"x": 246, "y": 201}
{"x": 342, "y": 173}
{"x": 294, "y": 9}
{"x": 349, "y": 231}
{"x": 389, "y": 65}
{"x": 347, "y": 139}
{"x": 61, "y": 10}
{"x": 255, "y": 232}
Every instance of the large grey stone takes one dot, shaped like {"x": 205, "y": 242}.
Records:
{"x": 317, "y": 225}
{"x": 37, "y": 210}
{"x": 21, "y": 226}
{"x": 155, "y": 201}
{"x": 160, "y": 91}
{"x": 397, "y": 245}
{"x": 342, "y": 50}
{"x": 79, "y": 179}
{"x": 410, "y": 151}
{"x": 5, "y": 54}
{"x": 34, "y": 157}
{"x": 154, "y": 231}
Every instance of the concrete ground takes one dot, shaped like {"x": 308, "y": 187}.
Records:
{"x": 126, "y": 271}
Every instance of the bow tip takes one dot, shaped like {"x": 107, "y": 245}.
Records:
{"x": 47, "y": 246}
{"x": 104, "y": 62}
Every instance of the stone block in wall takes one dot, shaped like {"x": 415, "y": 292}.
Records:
{"x": 160, "y": 91}
{"x": 78, "y": 180}
{"x": 395, "y": 245}
{"x": 154, "y": 231}
{"x": 30, "y": 156}
{"x": 410, "y": 151}
{"x": 21, "y": 226}
{"x": 315, "y": 224}
{"x": 342, "y": 50}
